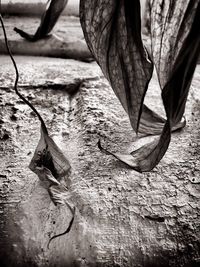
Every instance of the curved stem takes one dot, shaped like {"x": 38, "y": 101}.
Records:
{"x": 17, "y": 78}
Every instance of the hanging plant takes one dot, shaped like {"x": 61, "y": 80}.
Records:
{"x": 112, "y": 30}
{"x": 48, "y": 162}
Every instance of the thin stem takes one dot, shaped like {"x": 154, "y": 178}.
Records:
{"x": 17, "y": 78}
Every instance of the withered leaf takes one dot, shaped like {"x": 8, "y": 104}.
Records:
{"x": 53, "y": 11}
{"x": 58, "y": 193}
{"x": 112, "y": 30}
{"x": 50, "y": 165}
{"x": 48, "y": 154}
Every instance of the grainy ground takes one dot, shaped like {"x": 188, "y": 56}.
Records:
{"x": 123, "y": 218}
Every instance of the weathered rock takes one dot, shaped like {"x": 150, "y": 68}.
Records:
{"x": 123, "y": 218}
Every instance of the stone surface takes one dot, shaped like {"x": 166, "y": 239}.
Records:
{"x": 123, "y": 218}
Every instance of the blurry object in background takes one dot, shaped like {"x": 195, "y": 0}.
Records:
{"x": 35, "y": 7}
{"x": 52, "y": 46}
{"x": 53, "y": 11}
{"x": 67, "y": 43}
{"x": 146, "y": 17}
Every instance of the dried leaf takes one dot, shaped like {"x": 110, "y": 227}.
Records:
{"x": 175, "y": 35}
{"x": 112, "y": 30}
{"x": 58, "y": 193}
{"x": 44, "y": 164}
{"x": 141, "y": 159}
{"x": 48, "y": 162}
{"x": 152, "y": 124}
{"x": 53, "y": 11}
{"x": 47, "y": 154}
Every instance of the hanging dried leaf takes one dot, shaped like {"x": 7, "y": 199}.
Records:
{"x": 53, "y": 11}
{"x": 47, "y": 154}
{"x": 50, "y": 165}
{"x": 113, "y": 36}
{"x": 58, "y": 193}
{"x": 175, "y": 35}
{"x": 48, "y": 162}
{"x": 59, "y": 196}
{"x": 112, "y": 30}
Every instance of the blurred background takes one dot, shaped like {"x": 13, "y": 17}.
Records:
{"x": 37, "y": 6}
{"x": 34, "y": 7}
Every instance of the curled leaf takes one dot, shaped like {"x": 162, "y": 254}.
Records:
{"x": 59, "y": 196}
{"x": 152, "y": 124}
{"x": 48, "y": 161}
{"x": 50, "y": 165}
{"x": 146, "y": 157}
{"x": 54, "y": 9}
{"x": 46, "y": 176}
{"x": 48, "y": 154}
{"x": 175, "y": 36}
{"x": 112, "y": 30}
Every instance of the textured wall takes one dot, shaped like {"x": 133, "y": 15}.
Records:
{"x": 123, "y": 218}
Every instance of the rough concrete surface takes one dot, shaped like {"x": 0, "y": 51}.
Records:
{"x": 123, "y": 218}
